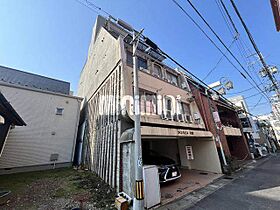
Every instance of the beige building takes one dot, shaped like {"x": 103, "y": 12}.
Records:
{"x": 170, "y": 119}
{"x": 51, "y": 116}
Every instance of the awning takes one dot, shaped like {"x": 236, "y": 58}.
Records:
{"x": 152, "y": 132}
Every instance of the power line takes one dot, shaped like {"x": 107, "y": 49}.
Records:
{"x": 242, "y": 91}
{"x": 256, "y": 94}
{"x": 240, "y": 44}
{"x": 87, "y": 6}
{"x": 230, "y": 19}
{"x": 97, "y": 7}
{"x": 221, "y": 41}
{"x": 260, "y": 104}
{"x": 217, "y": 64}
{"x": 271, "y": 76}
{"x": 257, "y": 103}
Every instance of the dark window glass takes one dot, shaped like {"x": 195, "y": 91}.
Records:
{"x": 168, "y": 104}
{"x": 157, "y": 71}
{"x": 142, "y": 63}
{"x": 172, "y": 78}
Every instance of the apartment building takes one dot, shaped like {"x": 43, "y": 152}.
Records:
{"x": 171, "y": 121}
{"x": 248, "y": 125}
{"x": 50, "y": 115}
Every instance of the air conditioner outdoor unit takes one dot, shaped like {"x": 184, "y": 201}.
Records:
{"x": 163, "y": 116}
{"x": 168, "y": 115}
{"x": 155, "y": 75}
{"x": 188, "y": 118}
{"x": 180, "y": 117}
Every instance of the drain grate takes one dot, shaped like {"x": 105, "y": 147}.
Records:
{"x": 228, "y": 177}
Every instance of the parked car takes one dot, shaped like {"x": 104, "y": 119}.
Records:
{"x": 167, "y": 168}
{"x": 261, "y": 150}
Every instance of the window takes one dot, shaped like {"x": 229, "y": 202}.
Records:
{"x": 59, "y": 111}
{"x": 245, "y": 123}
{"x": 157, "y": 71}
{"x": 129, "y": 59}
{"x": 172, "y": 78}
{"x": 142, "y": 63}
{"x": 148, "y": 102}
{"x": 186, "y": 111}
{"x": 168, "y": 107}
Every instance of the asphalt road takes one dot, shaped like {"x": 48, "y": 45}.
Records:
{"x": 257, "y": 189}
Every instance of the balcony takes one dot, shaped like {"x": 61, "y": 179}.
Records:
{"x": 231, "y": 131}
{"x": 242, "y": 115}
{"x": 248, "y": 130}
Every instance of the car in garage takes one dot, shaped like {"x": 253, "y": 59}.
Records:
{"x": 167, "y": 168}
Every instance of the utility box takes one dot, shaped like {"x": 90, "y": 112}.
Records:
{"x": 151, "y": 186}
{"x": 121, "y": 203}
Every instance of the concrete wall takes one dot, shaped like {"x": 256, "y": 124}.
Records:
{"x": 205, "y": 155}
{"x": 103, "y": 57}
{"x": 46, "y": 133}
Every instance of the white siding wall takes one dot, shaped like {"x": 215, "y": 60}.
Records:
{"x": 33, "y": 144}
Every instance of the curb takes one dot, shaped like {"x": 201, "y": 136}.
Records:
{"x": 190, "y": 199}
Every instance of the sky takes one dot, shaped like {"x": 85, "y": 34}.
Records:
{"x": 51, "y": 37}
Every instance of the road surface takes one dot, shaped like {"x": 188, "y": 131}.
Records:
{"x": 257, "y": 189}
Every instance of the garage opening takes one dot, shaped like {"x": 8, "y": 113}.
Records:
{"x": 196, "y": 159}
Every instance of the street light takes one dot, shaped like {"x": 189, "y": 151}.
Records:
{"x": 224, "y": 84}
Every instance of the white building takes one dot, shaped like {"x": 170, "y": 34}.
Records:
{"x": 51, "y": 116}
{"x": 248, "y": 124}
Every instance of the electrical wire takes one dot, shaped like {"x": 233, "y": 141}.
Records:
{"x": 240, "y": 43}
{"x": 217, "y": 64}
{"x": 257, "y": 103}
{"x": 271, "y": 76}
{"x": 221, "y": 41}
{"x": 87, "y": 6}
{"x": 97, "y": 7}
{"x": 250, "y": 96}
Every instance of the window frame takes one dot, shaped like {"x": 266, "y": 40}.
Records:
{"x": 59, "y": 111}
{"x": 151, "y": 97}
{"x": 171, "y": 76}
{"x": 159, "y": 73}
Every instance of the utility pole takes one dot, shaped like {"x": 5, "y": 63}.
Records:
{"x": 266, "y": 67}
{"x": 138, "y": 203}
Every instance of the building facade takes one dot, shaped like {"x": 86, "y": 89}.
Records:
{"x": 51, "y": 116}
{"x": 170, "y": 117}
{"x": 222, "y": 120}
{"x": 249, "y": 127}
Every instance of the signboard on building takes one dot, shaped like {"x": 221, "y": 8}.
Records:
{"x": 189, "y": 152}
